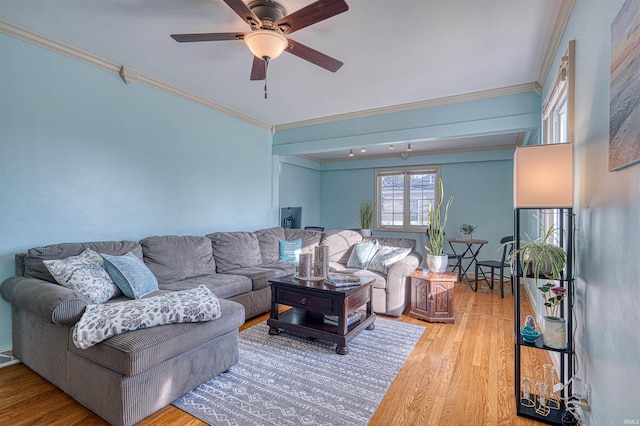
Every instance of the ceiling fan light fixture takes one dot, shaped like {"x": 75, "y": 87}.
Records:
{"x": 266, "y": 43}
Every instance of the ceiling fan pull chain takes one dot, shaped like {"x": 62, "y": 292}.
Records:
{"x": 266, "y": 68}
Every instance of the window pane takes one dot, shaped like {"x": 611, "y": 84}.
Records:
{"x": 422, "y": 194}
{"x": 391, "y": 200}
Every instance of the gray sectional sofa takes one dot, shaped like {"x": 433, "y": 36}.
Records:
{"x": 131, "y": 375}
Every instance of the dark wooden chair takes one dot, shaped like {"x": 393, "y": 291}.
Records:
{"x": 496, "y": 265}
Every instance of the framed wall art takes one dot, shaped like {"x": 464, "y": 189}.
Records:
{"x": 624, "y": 114}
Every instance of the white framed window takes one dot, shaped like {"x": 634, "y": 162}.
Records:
{"x": 557, "y": 119}
{"x": 403, "y": 196}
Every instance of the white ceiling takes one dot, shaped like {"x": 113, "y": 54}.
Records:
{"x": 394, "y": 51}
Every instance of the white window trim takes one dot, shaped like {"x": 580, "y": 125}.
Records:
{"x": 407, "y": 188}
{"x": 563, "y": 88}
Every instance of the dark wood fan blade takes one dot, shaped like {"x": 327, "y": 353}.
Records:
{"x": 259, "y": 69}
{"x": 188, "y": 38}
{"x": 309, "y": 15}
{"x": 243, "y": 11}
{"x": 313, "y": 56}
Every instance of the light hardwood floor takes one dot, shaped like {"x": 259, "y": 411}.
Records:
{"x": 458, "y": 374}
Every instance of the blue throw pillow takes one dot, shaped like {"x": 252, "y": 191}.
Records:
{"x": 362, "y": 254}
{"x": 290, "y": 250}
{"x": 130, "y": 274}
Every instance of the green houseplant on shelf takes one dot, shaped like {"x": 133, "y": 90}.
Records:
{"x": 543, "y": 258}
{"x": 436, "y": 260}
{"x": 366, "y": 217}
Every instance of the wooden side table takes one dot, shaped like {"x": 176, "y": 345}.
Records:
{"x": 432, "y": 296}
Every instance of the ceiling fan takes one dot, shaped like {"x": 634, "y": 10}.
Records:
{"x": 269, "y": 23}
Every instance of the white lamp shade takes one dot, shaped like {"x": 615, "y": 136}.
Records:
{"x": 543, "y": 176}
{"x": 266, "y": 43}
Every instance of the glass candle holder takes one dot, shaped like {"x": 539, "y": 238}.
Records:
{"x": 541, "y": 407}
{"x": 552, "y": 398}
{"x": 526, "y": 397}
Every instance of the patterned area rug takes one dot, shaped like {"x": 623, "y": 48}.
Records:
{"x": 292, "y": 380}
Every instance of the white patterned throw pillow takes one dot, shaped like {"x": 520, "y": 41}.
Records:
{"x": 386, "y": 256}
{"x": 362, "y": 253}
{"x": 85, "y": 274}
{"x": 99, "y": 322}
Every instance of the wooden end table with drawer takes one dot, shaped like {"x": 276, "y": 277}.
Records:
{"x": 309, "y": 301}
{"x": 432, "y": 296}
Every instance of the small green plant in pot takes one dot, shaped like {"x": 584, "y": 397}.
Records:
{"x": 467, "y": 230}
{"x": 366, "y": 217}
{"x": 436, "y": 261}
{"x": 542, "y": 256}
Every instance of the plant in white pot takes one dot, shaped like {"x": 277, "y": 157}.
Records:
{"x": 366, "y": 217}
{"x": 436, "y": 260}
{"x": 544, "y": 258}
{"x": 467, "y": 231}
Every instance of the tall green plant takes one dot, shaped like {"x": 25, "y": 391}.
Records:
{"x": 437, "y": 222}
{"x": 366, "y": 214}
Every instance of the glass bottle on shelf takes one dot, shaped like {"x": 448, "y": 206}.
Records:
{"x": 526, "y": 397}
{"x": 552, "y": 397}
{"x": 541, "y": 400}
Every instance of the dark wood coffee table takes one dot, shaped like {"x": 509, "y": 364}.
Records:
{"x": 309, "y": 301}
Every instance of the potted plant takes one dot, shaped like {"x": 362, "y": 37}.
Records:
{"x": 436, "y": 260}
{"x": 366, "y": 217}
{"x": 467, "y": 231}
{"x": 544, "y": 258}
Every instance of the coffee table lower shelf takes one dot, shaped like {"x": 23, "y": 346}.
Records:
{"x": 311, "y": 324}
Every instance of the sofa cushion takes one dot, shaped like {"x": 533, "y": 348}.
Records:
{"x": 85, "y": 274}
{"x": 259, "y": 275}
{"x": 386, "y": 256}
{"x": 99, "y": 322}
{"x": 222, "y": 285}
{"x": 175, "y": 258}
{"x": 290, "y": 250}
{"x": 286, "y": 267}
{"x": 33, "y": 260}
{"x": 234, "y": 250}
{"x": 130, "y": 274}
{"x": 340, "y": 243}
{"x": 362, "y": 253}
{"x": 310, "y": 239}
{"x": 134, "y": 352}
{"x": 268, "y": 241}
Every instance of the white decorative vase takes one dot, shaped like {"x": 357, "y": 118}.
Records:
{"x": 437, "y": 264}
{"x": 365, "y": 232}
{"x": 467, "y": 236}
{"x": 554, "y": 332}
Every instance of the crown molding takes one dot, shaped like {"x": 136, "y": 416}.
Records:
{"x": 88, "y": 58}
{"x": 473, "y": 96}
{"x": 566, "y": 7}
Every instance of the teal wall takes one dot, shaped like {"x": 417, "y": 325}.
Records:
{"x": 300, "y": 187}
{"x": 608, "y": 229}
{"x": 85, "y": 157}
